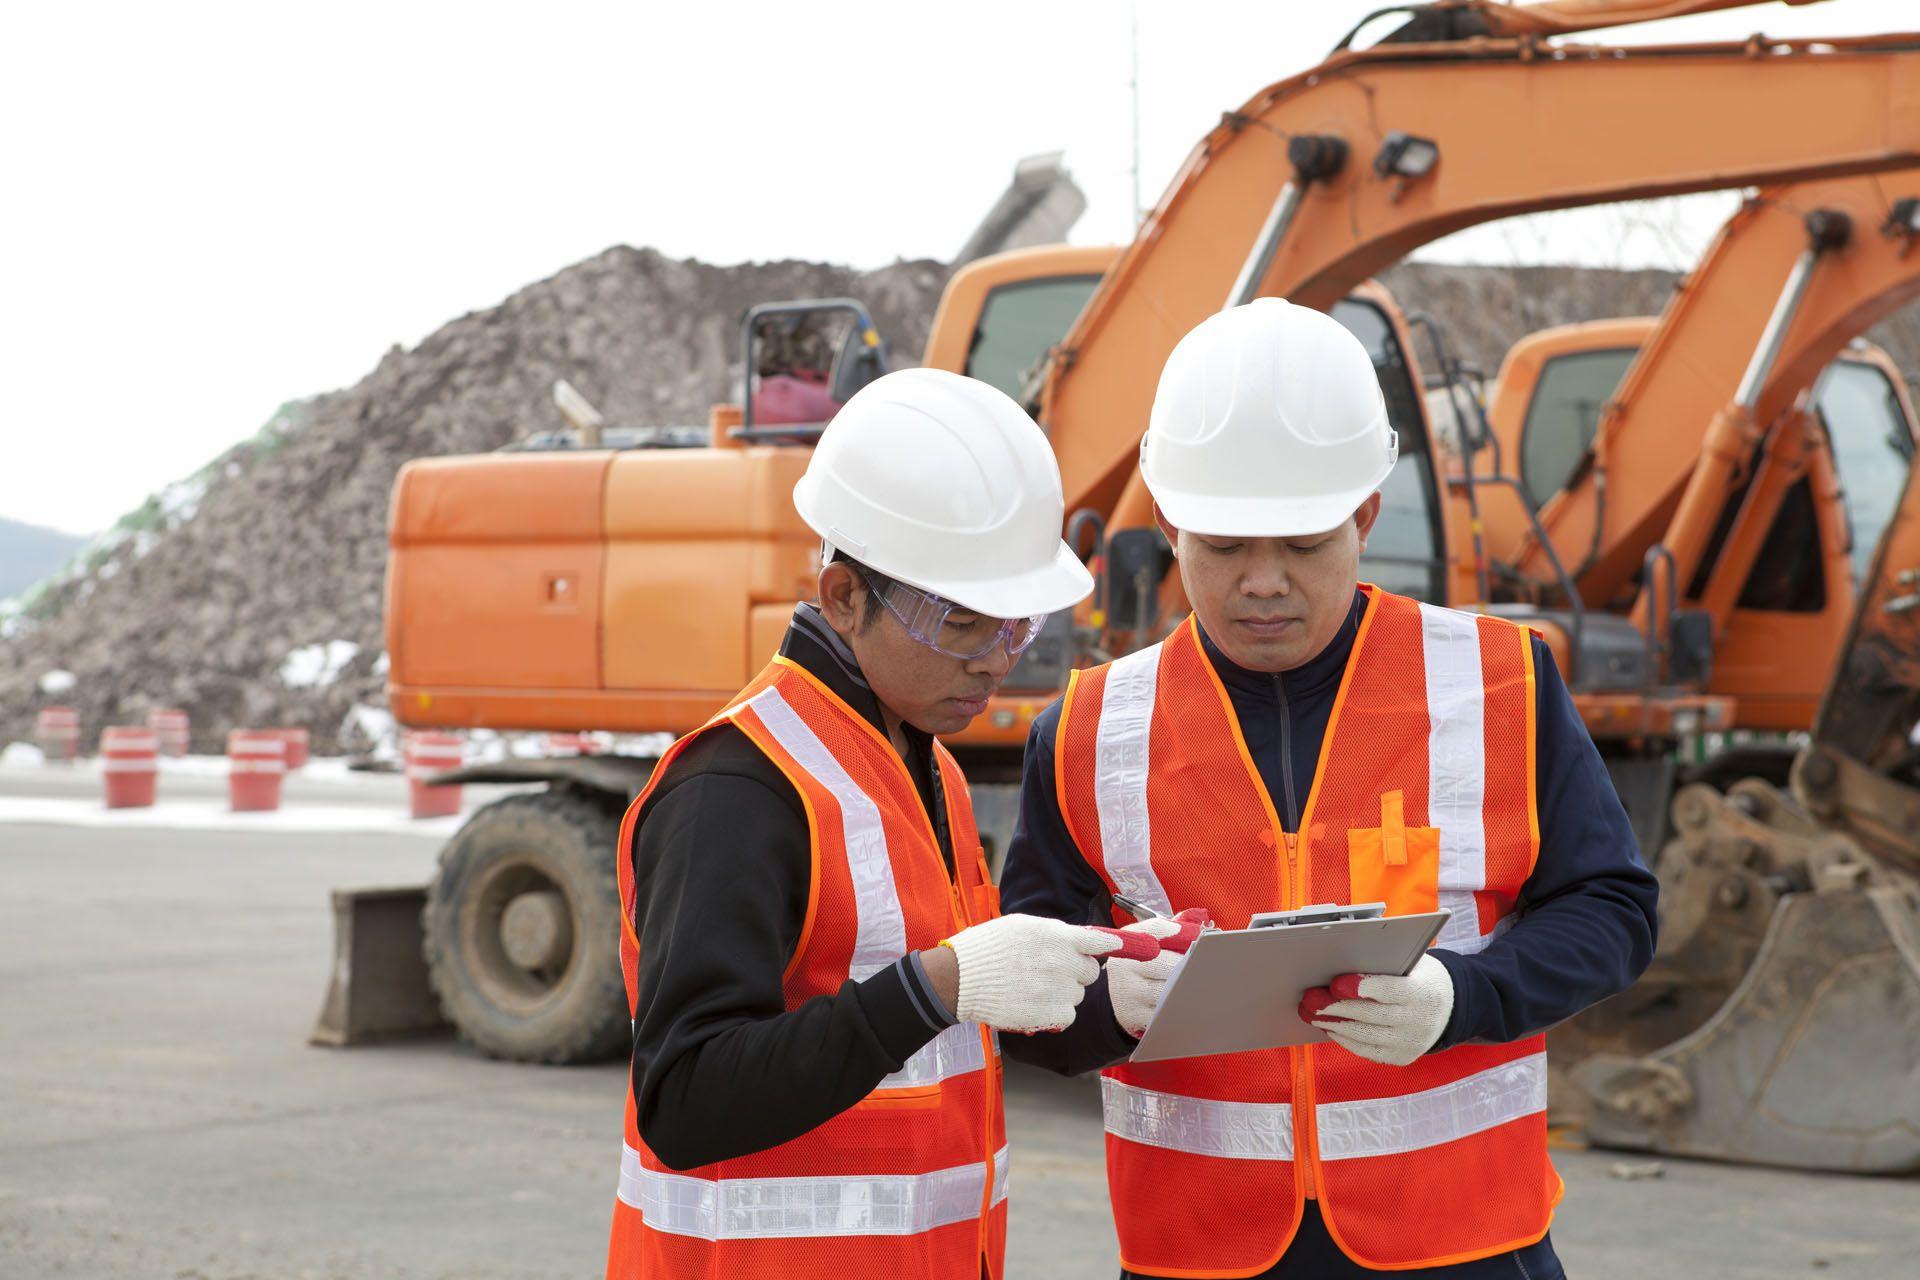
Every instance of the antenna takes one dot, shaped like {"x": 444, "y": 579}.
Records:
{"x": 1133, "y": 86}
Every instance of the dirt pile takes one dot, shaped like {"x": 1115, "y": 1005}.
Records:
{"x": 251, "y": 593}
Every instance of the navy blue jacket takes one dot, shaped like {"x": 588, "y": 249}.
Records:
{"x": 1584, "y": 926}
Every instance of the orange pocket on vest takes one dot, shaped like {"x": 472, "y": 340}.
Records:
{"x": 1394, "y": 863}
{"x": 984, "y": 897}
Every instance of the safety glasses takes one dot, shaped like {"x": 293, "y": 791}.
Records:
{"x": 952, "y": 629}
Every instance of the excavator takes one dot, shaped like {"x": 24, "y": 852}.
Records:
{"x": 634, "y": 589}
{"x": 1572, "y": 404}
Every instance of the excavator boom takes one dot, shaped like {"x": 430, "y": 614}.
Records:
{"x": 1322, "y": 179}
{"x": 1566, "y": 17}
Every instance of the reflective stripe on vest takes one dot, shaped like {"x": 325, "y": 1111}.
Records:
{"x": 766, "y": 1208}
{"x": 954, "y": 1052}
{"x": 1347, "y": 1130}
{"x": 882, "y": 930}
{"x": 1121, "y": 756}
{"x": 1456, "y": 770}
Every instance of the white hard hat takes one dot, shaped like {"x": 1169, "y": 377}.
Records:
{"x": 1268, "y": 423}
{"x": 946, "y": 484}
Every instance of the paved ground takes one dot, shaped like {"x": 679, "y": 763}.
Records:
{"x": 161, "y": 1114}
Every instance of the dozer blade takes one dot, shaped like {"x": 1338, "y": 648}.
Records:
{"x": 1813, "y": 1062}
{"x": 379, "y": 988}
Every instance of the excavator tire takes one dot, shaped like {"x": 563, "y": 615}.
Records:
{"x": 522, "y": 927}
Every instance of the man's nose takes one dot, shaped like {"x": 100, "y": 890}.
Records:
{"x": 1265, "y": 579}
{"x": 995, "y": 662}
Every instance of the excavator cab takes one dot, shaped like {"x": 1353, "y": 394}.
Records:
{"x": 1554, "y": 388}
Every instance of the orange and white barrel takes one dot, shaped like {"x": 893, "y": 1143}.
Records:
{"x": 57, "y": 731}
{"x": 129, "y": 766}
{"x": 299, "y": 742}
{"x": 572, "y": 744}
{"x": 256, "y": 764}
{"x": 170, "y": 726}
{"x": 429, "y": 753}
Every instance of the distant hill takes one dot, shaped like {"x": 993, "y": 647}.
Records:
{"x": 29, "y": 552}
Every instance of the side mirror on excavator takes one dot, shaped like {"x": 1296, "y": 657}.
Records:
{"x": 863, "y": 357}
{"x": 795, "y": 380}
{"x": 1137, "y": 563}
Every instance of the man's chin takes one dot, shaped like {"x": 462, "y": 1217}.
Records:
{"x": 1269, "y": 657}
{"x": 945, "y": 718}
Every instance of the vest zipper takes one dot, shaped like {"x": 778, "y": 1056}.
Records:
{"x": 1305, "y": 1137}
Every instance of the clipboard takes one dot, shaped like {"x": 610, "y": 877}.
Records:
{"x": 1240, "y": 989}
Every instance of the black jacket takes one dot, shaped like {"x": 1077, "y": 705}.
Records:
{"x": 721, "y": 862}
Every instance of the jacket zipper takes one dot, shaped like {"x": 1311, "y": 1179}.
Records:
{"x": 1303, "y": 1130}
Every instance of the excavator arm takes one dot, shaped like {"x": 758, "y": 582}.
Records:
{"x": 1795, "y": 273}
{"x": 1322, "y": 179}
{"x": 1467, "y": 18}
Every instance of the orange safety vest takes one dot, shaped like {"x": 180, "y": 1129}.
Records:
{"x": 1423, "y": 797}
{"x": 910, "y": 1182}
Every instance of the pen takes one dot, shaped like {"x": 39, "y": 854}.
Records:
{"x": 1138, "y": 910}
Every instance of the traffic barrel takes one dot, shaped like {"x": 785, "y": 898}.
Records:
{"x": 572, "y": 744}
{"x": 57, "y": 731}
{"x": 298, "y": 742}
{"x": 256, "y": 763}
{"x": 129, "y": 766}
{"x": 170, "y": 726}
{"x": 428, "y": 754}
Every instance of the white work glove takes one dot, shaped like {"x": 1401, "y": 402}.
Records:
{"x": 1026, "y": 973}
{"x": 1135, "y": 986}
{"x": 1393, "y": 1020}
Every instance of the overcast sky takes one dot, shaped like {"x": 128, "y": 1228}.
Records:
{"x": 213, "y": 209}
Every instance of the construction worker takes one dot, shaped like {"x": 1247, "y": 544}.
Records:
{"x": 816, "y": 1088}
{"x": 1303, "y": 738}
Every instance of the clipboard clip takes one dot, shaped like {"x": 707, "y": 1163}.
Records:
{"x": 1323, "y": 913}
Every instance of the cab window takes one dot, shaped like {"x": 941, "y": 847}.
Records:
{"x": 1563, "y": 415}
{"x": 1404, "y": 551}
{"x": 1019, "y": 324}
{"x": 1872, "y": 449}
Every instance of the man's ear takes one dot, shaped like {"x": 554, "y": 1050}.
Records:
{"x": 1363, "y": 519}
{"x": 842, "y": 597}
{"x": 1167, "y": 530}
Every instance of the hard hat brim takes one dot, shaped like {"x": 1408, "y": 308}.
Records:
{"x": 1051, "y": 587}
{"x": 1217, "y": 517}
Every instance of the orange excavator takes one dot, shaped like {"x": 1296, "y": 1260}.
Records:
{"x": 634, "y": 589}
{"x": 1805, "y": 472}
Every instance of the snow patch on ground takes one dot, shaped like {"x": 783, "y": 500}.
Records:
{"x": 181, "y": 499}
{"x": 370, "y": 731}
{"x": 22, "y": 755}
{"x": 213, "y": 815}
{"x": 313, "y": 665}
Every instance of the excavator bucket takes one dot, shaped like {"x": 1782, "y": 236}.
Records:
{"x": 379, "y": 988}
{"x": 1813, "y": 1062}
{"x": 1780, "y": 1020}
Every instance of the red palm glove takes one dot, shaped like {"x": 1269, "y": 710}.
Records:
{"x": 1134, "y": 945}
{"x": 1193, "y": 922}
